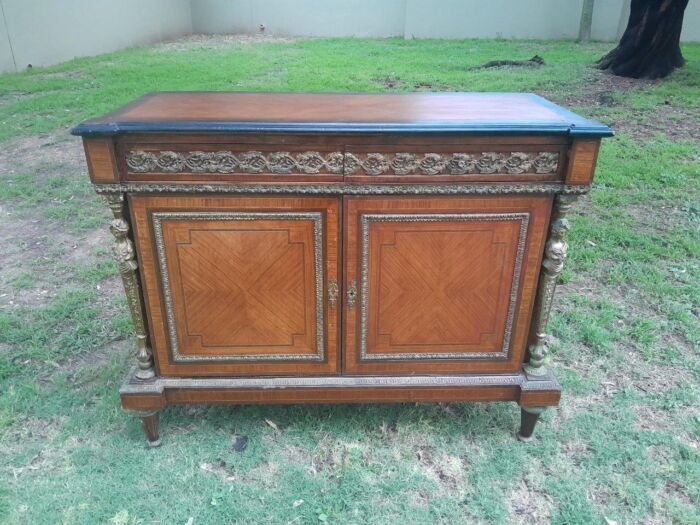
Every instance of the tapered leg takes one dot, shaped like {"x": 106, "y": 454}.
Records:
{"x": 150, "y": 421}
{"x": 528, "y": 420}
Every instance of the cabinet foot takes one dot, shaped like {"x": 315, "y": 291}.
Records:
{"x": 528, "y": 420}
{"x": 151, "y": 421}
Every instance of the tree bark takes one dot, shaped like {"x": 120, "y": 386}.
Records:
{"x": 650, "y": 46}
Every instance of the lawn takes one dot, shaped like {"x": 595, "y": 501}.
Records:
{"x": 622, "y": 447}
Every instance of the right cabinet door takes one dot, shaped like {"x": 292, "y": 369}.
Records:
{"x": 440, "y": 285}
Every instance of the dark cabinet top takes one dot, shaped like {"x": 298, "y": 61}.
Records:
{"x": 484, "y": 113}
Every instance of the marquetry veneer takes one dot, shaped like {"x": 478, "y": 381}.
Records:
{"x": 309, "y": 248}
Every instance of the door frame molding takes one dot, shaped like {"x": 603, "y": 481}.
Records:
{"x": 367, "y": 218}
{"x": 317, "y": 218}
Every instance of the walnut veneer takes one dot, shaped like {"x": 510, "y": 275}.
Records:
{"x": 294, "y": 248}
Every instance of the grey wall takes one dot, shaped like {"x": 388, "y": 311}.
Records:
{"x": 544, "y": 19}
{"x": 368, "y": 18}
{"x": 555, "y": 19}
{"x": 45, "y": 32}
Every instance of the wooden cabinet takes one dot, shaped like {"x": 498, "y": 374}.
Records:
{"x": 340, "y": 248}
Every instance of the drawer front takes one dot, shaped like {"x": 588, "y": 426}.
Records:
{"x": 455, "y": 162}
{"x": 442, "y": 285}
{"x": 239, "y": 286}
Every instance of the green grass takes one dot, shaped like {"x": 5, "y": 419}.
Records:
{"x": 623, "y": 446}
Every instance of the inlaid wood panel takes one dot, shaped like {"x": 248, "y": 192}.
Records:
{"x": 101, "y": 160}
{"x": 440, "y": 281}
{"x": 239, "y": 285}
{"x": 583, "y": 158}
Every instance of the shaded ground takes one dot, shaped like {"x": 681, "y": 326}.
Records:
{"x": 622, "y": 447}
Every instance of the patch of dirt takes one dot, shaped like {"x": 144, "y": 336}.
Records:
{"x": 448, "y": 471}
{"x": 391, "y": 82}
{"x": 96, "y": 357}
{"x": 36, "y": 245}
{"x": 46, "y": 250}
{"x": 600, "y": 89}
{"x": 527, "y": 505}
{"x": 14, "y": 96}
{"x": 44, "y": 154}
{"x": 191, "y": 42}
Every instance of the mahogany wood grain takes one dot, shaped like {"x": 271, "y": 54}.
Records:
{"x": 239, "y": 288}
{"x": 338, "y": 107}
{"x": 583, "y": 158}
{"x": 497, "y": 113}
{"x": 101, "y": 160}
{"x": 441, "y": 287}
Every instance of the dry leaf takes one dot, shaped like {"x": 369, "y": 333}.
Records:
{"x": 273, "y": 425}
{"x": 297, "y": 503}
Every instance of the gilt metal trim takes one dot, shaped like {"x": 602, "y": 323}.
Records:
{"x": 367, "y": 219}
{"x": 350, "y": 189}
{"x": 178, "y": 357}
{"x": 486, "y": 163}
{"x": 282, "y": 162}
{"x": 337, "y": 162}
{"x": 125, "y": 255}
{"x": 552, "y": 266}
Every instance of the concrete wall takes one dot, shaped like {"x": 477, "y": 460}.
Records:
{"x": 508, "y": 19}
{"x": 45, "y": 32}
{"x": 545, "y": 19}
{"x": 362, "y": 18}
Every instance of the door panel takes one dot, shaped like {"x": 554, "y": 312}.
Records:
{"x": 238, "y": 285}
{"x": 443, "y": 284}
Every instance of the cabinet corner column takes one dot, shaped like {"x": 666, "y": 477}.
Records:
{"x": 552, "y": 267}
{"x": 125, "y": 256}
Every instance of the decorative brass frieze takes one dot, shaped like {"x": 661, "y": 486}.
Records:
{"x": 126, "y": 259}
{"x": 552, "y": 266}
{"x": 314, "y": 162}
{"x": 367, "y": 219}
{"x": 284, "y": 162}
{"x": 179, "y": 357}
{"x": 350, "y": 189}
{"x": 487, "y": 163}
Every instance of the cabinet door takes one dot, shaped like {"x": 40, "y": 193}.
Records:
{"x": 239, "y": 285}
{"x": 442, "y": 284}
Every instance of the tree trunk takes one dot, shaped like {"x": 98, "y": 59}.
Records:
{"x": 584, "y": 30}
{"x": 650, "y": 46}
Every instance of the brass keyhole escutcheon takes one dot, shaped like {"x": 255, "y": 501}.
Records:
{"x": 333, "y": 291}
{"x": 352, "y": 294}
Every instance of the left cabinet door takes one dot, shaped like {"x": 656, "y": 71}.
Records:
{"x": 239, "y": 286}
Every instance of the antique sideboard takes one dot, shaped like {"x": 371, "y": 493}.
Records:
{"x": 337, "y": 248}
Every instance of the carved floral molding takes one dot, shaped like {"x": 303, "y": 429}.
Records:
{"x": 313, "y": 162}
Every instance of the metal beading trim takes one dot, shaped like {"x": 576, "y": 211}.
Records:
{"x": 348, "y": 189}
{"x": 366, "y": 219}
{"x": 178, "y": 357}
